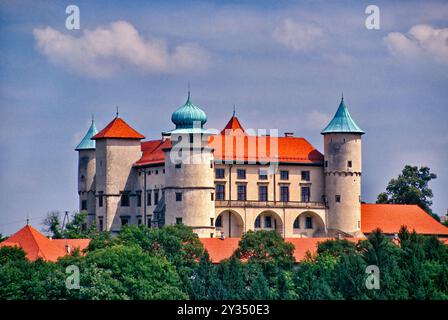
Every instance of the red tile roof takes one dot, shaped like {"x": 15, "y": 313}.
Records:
{"x": 290, "y": 149}
{"x": 233, "y": 127}
{"x": 152, "y": 152}
{"x": 390, "y": 217}
{"x": 36, "y": 245}
{"x": 118, "y": 129}
{"x": 221, "y": 249}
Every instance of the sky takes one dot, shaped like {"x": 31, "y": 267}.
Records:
{"x": 283, "y": 64}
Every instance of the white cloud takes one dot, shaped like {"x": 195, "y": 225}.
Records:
{"x": 298, "y": 36}
{"x": 105, "y": 50}
{"x": 420, "y": 41}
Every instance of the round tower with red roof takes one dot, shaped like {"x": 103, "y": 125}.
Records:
{"x": 342, "y": 170}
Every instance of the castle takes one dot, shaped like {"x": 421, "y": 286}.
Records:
{"x": 223, "y": 184}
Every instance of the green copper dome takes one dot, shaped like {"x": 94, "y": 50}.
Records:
{"x": 342, "y": 122}
{"x": 188, "y": 115}
{"x": 86, "y": 143}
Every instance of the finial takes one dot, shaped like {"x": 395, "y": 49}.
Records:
{"x": 27, "y": 219}
{"x": 189, "y": 95}
{"x": 117, "y": 113}
{"x": 342, "y": 97}
{"x": 233, "y": 110}
{"x": 93, "y": 118}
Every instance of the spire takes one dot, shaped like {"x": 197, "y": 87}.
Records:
{"x": 189, "y": 91}
{"x": 93, "y": 118}
{"x": 233, "y": 115}
{"x": 342, "y": 122}
{"x": 86, "y": 142}
{"x": 117, "y": 114}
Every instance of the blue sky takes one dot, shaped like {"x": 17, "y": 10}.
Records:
{"x": 283, "y": 64}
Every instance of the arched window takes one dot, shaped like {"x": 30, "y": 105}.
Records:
{"x": 257, "y": 222}
{"x": 296, "y": 224}
{"x": 218, "y": 222}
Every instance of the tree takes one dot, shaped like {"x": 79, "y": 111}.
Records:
{"x": 127, "y": 272}
{"x": 266, "y": 248}
{"x": 53, "y": 224}
{"x": 410, "y": 187}
{"x": 2, "y": 238}
{"x": 77, "y": 228}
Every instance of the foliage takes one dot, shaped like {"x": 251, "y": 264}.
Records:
{"x": 75, "y": 229}
{"x": 410, "y": 187}
{"x": 171, "y": 263}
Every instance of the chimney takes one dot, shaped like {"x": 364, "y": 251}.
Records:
{"x": 68, "y": 249}
{"x": 222, "y": 235}
{"x": 289, "y": 134}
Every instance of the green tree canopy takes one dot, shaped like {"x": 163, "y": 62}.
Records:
{"x": 410, "y": 187}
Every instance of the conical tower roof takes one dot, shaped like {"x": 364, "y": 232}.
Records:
{"x": 86, "y": 142}
{"x": 342, "y": 122}
{"x": 118, "y": 129}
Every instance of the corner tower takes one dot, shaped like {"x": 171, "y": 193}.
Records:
{"x": 342, "y": 169}
{"x": 86, "y": 173}
{"x": 118, "y": 147}
{"x": 189, "y": 189}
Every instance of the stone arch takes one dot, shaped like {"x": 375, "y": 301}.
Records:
{"x": 269, "y": 220}
{"x": 230, "y": 223}
{"x": 309, "y": 224}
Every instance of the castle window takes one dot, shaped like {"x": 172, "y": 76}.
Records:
{"x": 211, "y": 164}
{"x": 284, "y": 175}
{"x": 139, "y": 221}
{"x": 349, "y": 163}
{"x": 178, "y": 220}
{"x": 124, "y": 202}
{"x": 212, "y": 196}
{"x": 218, "y": 222}
{"x": 305, "y": 176}
{"x": 178, "y": 165}
{"x": 100, "y": 224}
{"x": 241, "y": 174}
{"x": 257, "y": 223}
{"x": 163, "y": 171}
{"x": 157, "y": 172}
{"x": 268, "y": 222}
{"x": 309, "y": 223}
{"x": 156, "y": 197}
{"x": 191, "y": 138}
{"x": 262, "y": 193}
{"x": 296, "y": 224}
{"x": 211, "y": 221}
{"x": 326, "y": 163}
{"x": 306, "y": 194}
{"x": 149, "y": 172}
{"x": 149, "y": 221}
{"x": 219, "y": 173}
{"x": 124, "y": 221}
{"x": 338, "y": 198}
{"x": 84, "y": 205}
{"x": 263, "y": 175}
{"x": 178, "y": 196}
{"x": 148, "y": 198}
{"x": 242, "y": 192}
{"x": 139, "y": 199}
{"x": 82, "y": 177}
{"x": 100, "y": 199}
{"x": 220, "y": 191}
{"x": 284, "y": 193}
